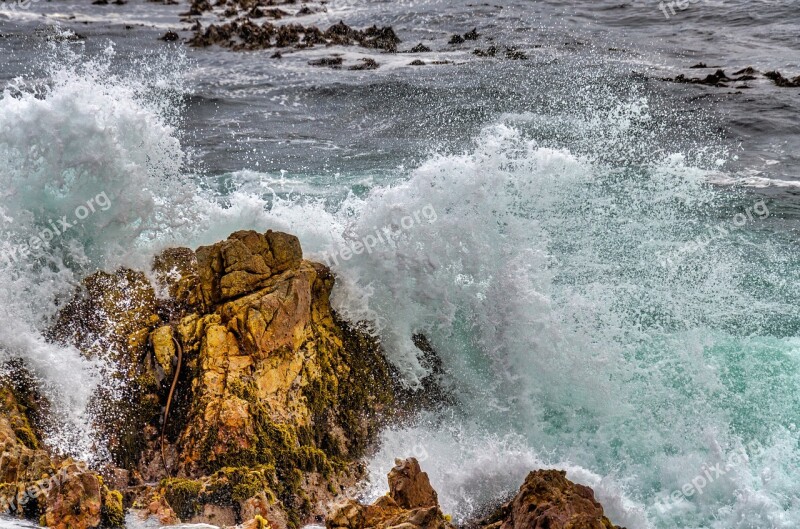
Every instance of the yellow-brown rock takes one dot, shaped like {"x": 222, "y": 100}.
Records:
{"x": 548, "y": 499}
{"x": 240, "y": 264}
{"x": 271, "y": 383}
{"x": 35, "y": 485}
{"x": 410, "y": 487}
{"x": 74, "y": 502}
{"x": 411, "y": 504}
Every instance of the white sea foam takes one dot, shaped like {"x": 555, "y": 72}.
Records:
{"x": 565, "y": 340}
{"x": 85, "y": 133}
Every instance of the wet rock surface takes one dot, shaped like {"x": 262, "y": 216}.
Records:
{"x": 411, "y": 503}
{"x": 273, "y": 399}
{"x": 549, "y": 500}
{"x": 237, "y": 398}
{"x": 35, "y": 484}
{"x": 721, "y": 80}
{"x": 244, "y": 34}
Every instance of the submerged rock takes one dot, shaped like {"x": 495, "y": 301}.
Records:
{"x": 365, "y": 64}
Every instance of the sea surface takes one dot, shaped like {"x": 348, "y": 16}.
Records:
{"x": 606, "y": 261}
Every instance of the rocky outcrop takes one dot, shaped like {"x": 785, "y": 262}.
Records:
{"x": 548, "y": 500}
{"x": 720, "y": 79}
{"x": 272, "y": 399}
{"x": 244, "y": 34}
{"x": 410, "y": 504}
{"x": 779, "y": 80}
{"x": 235, "y": 395}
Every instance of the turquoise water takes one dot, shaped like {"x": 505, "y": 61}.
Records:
{"x": 603, "y": 302}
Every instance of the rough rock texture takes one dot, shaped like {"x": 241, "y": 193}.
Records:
{"x": 411, "y": 504}
{"x": 275, "y": 399}
{"x": 548, "y": 500}
{"x": 54, "y": 491}
{"x": 409, "y": 487}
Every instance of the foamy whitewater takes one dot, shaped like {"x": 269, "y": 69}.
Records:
{"x": 598, "y": 305}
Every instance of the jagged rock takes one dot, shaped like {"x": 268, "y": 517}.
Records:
{"x": 365, "y": 64}
{"x": 244, "y": 263}
{"x": 170, "y": 36}
{"x": 331, "y": 62}
{"x": 491, "y": 51}
{"x": 153, "y": 507}
{"x": 781, "y": 81}
{"x": 411, "y": 504}
{"x": 472, "y": 35}
{"x": 419, "y": 48}
{"x": 246, "y": 35}
{"x": 76, "y": 502}
{"x": 275, "y": 398}
{"x": 409, "y": 487}
{"x": 718, "y": 78}
{"x": 548, "y": 499}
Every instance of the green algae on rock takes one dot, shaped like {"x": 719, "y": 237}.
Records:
{"x": 277, "y": 398}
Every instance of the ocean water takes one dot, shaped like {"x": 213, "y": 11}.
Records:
{"x": 606, "y": 262}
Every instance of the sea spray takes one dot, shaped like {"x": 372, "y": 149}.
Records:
{"x": 567, "y": 340}
{"x": 87, "y": 156}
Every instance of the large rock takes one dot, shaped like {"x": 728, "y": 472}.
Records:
{"x": 411, "y": 504}
{"x": 548, "y": 500}
{"x": 276, "y": 399}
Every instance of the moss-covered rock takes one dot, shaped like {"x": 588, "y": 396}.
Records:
{"x": 112, "y": 511}
{"x": 276, "y": 400}
{"x": 183, "y": 496}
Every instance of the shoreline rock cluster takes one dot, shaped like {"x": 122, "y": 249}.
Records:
{"x": 233, "y": 395}
{"x": 720, "y": 79}
{"x": 244, "y": 34}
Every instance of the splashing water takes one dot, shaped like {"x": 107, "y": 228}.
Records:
{"x": 85, "y": 159}
{"x": 559, "y": 276}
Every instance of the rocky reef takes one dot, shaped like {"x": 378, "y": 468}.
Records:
{"x": 244, "y": 34}
{"x": 233, "y": 395}
{"x": 547, "y": 500}
{"x": 721, "y": 80}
